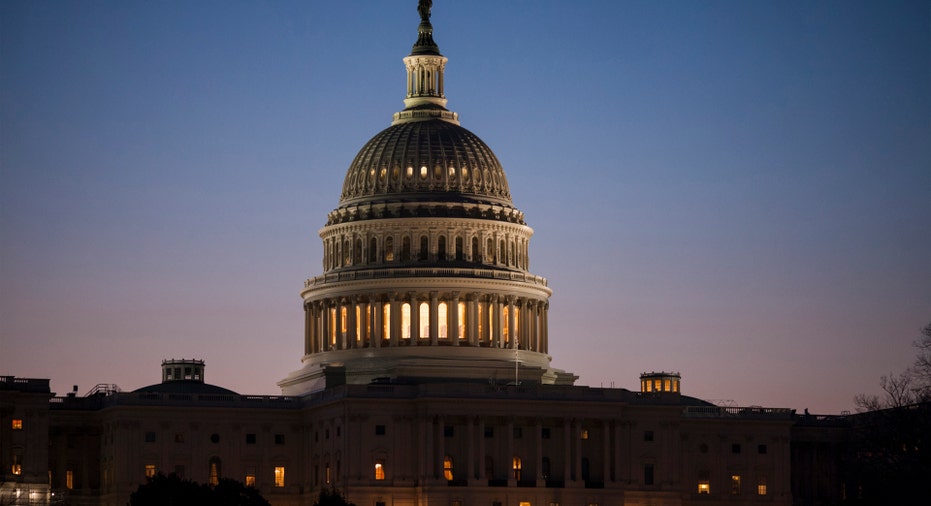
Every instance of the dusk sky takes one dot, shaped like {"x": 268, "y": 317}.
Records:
{"x": 737, "y": 191}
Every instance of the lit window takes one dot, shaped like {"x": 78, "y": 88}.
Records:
{"x": 735, "y": 484}
{"x": 250, "y": 477}
{"x": 326, "y": 474}
{"x": 17, "y": 467}
{"x": 516, "y": 466}
{"x": 17, "y": 424}
{"x": 584, "y": 434}
{"x": 379, "y": 470}
{"x": 448, "y": 468}
{"x": 69, "y": 479}
{"x": 525, "y": 503}
{"x": 761, "y": 485}
{"x": 150, "y": 470}
{"x": 214, "y": 477}
{"x": 704, "y": 487}
{"x": 279, "y": 476}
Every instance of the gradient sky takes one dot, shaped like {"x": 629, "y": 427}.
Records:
{"x": 738, "y": 191}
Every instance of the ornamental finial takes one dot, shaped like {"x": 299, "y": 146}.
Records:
{"x": 424, "y": 9}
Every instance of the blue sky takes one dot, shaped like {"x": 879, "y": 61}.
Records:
{"x": 738, "y": 191}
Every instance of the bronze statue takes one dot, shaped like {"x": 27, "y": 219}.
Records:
{"x": 424, "y": 9}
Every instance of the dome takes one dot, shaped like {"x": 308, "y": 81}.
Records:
{"x": 431, "y": 160}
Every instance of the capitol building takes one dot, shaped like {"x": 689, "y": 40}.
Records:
{"x": 425, "y": 378}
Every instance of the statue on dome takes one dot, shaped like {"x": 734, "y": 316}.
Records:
{"x": 424, "y": 9}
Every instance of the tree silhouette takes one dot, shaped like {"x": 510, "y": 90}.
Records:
{"x": 172, "y": 490}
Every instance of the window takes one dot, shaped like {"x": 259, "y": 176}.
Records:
{"x": 379, "y": 430}
{"x": 179, "y": 437}
{"x": 214, "y": 476}
{"x": 379, "y": 469}
{"x": 583, "y": 434}
{"x": 546, "y": 468}
{"x": 250, "y": 477}
{"x": 518, "y": 433}
{"x": 17, "y": 424}
{"x": 150, "y": 470}
{"x": 516, "y": 467}
{"x": 150, "y": 437}
{"x": 250, "y": 439}
{"x": 648, "y": 435}
{"x": 761, "y": 485}
{"x": 489, "y": 467}
{"x": 448, "y": 468}
{"x": 327, "y": 475}
{"x": 214, "y": 438}
{"x": 279, "y": 476}
{"x": 761, "y": 449}
{"x": 489, "y": 432}
{"x": 279, "y": 439}
{"x": 648, "y": 474}
{"x": 69, "y": 479}
{"x": 524, "y": 503}
{"x": 704, "y": 487}
{"x": 179, "y": 470}
{"x": 545, "y": 432}
{"x": 17, "y": 467}
{"x": 449, "y": 431}
{"x": 735, "y": 448}
{"x": 735, "y": 484}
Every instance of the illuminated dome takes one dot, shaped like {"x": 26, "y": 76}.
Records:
{"x": 425, "y": 161}
{"x": 425, "y": 259}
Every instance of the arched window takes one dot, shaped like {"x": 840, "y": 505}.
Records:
{"x": 214, "y": 476}
{"x": 441, "y": 248}
{"x": 503, "y": 251}
{"x": 516, "y": 466}
{"x": 386, "y": 320}
{"x": 406, "y": 249}
{"x": 373, "y": 250}
{"x": 462, "y": 320}
{"x": 357, "y": 252}
{"x": 424, "y": 248}
{"x": 424, "y": 319}
{"x": 512, "y": 258}
{"x": 505, "y": 328}
{"x": 379, "y": 469}
{"x": 448, "y": 468}
{"x": 405, "y": 321}
{"x": 389, "y": 249}
{"x": 475, "y": 253}
{"x": 347, "y": 253}
{"x": 459, "y": 249}
{"x": 443, "y": 320}
{"x": 490, "y": 251}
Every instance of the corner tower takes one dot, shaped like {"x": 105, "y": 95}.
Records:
{"x": 425, "y": 258}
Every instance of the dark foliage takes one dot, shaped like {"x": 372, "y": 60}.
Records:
{"x": 172, "y": 490}
{"x": 332, "y": 498}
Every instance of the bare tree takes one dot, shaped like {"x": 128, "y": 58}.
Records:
{"x": 911, "y": 386}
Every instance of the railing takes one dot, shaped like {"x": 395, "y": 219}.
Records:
{"x": 736, "y": 412}
{"x": 415, "y": 272}
{"x": 24, "y": 384}
{"x": 155, "y": 399}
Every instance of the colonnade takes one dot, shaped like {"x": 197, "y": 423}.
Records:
{"x": 426, "y": 319}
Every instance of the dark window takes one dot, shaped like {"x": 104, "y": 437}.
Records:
{"x": 648, "y": 435}
{"x": 250, "y": 439}
{"x": 339, "y": 431}
{"x": 150, "y": 437}
{"x": 518, "y": 432}
{"x": 648, "y": 474}
{"x": 703, "y": 448}
{"x": 545, "y": 433}
{"x": 489, "y": 432}
{"x": 379, "y": 430}
{"x": 214, "y": 438}
{"x": 735, "y": 448}
{"x": 448, "y": 431}
{"x": 316, "y": 437}
{"x": 179, "y": 437}
{"x": 279, "y": 439}
{"x": 379, "y": 503}
{"x": 761, "y": 449}
{"x": 326, "y": 434}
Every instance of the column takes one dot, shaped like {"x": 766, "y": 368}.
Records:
{"x": 415, "y": 317}
{"x": 377, "y": 328}
{"x": 538, "y": 428}
{"x": 512, "y": 318}
{"x": 453, "y": 314}
{"x": 364, "y": 311}
{"x": 440, "y": 448}
{"x": 497, "y": 319}
{"x": 395, "y": 328}
{"x": 509, "y": 462}
{"x": 567, "y": 452}
{"x": 308, "y": 319}
{"x": 434, "y": 316}
{"x": 352, "y": 337}
{"x": 326, "y": 325}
